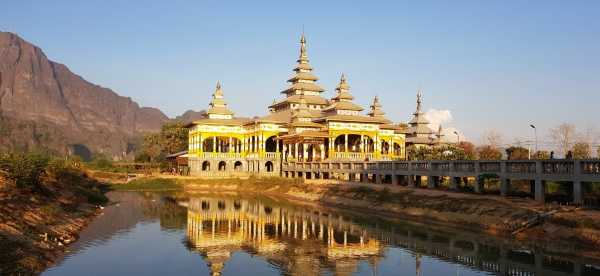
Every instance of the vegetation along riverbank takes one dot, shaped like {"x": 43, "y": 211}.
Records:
{"x": 44, "y": 203}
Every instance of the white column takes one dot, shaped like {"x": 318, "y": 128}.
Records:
{"x": 214, "y": 144}
{"x": 346, "y": 141}
{"x": 304, "y": 152}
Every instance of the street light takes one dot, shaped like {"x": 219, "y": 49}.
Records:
{"x": 536, "y": 137}
{"x": 457, "y": 138}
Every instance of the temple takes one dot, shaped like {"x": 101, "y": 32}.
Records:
{"x": 303, "y": 126}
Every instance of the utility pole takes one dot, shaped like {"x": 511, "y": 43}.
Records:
{"x": 457, "y": 138}
{"x": 536, "y": 137}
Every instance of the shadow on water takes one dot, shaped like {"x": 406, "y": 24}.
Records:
{"x": 237, "y": 235}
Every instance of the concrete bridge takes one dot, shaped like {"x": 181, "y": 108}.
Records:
{"x": 411, "y": 173}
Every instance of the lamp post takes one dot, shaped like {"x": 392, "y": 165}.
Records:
{"x": 536, "y": 137}
{"x": 457, "y": 138}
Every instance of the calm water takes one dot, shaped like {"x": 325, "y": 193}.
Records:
{"x": 155, "y": 234}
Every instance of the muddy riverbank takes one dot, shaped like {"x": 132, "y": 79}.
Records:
{"x": 37, "y": 223}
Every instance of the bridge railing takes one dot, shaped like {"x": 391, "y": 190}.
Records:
{"x": 561, "y": 169}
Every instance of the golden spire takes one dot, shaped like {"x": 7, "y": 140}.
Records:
{"x": 218, "y": 91}
{"x": 303, "y": 55}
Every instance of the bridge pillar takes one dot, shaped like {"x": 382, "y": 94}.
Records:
{"x": 478, "y": 186}
{"x": 504, "y": 186}
{"x": 577, "y": 192}
{"x": 431, "y": 182}
{"x": 418, "y": 179}
{"x": 378, "y": 178}
{"x": 395, "y": 179}
{"x": 454, "y": 181}
{"x": 540, "y": 191}
{"x": 411, "y": 181}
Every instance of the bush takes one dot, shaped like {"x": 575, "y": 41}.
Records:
{"x": 24, "y": 170}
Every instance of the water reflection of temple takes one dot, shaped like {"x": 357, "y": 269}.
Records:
{"x": 297, "y": 240}
{"x": 302, "y": 241}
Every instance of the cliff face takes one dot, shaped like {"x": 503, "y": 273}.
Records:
{"x": 47, "y": 97}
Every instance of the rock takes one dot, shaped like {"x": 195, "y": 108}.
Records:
{"x": 57, "y": 108}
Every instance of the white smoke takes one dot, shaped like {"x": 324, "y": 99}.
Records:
{"x": 444, "y": 118}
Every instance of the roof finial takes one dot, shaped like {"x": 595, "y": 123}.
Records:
{"x": 303, "y": 55}
{"x": 343, "y": 78}
{"x": 419, "y": 100}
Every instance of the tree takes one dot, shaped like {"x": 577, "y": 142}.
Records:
{"x": 492, "y": 138}
{"x": 468, "y": 149}
{"x": 581, "y": 150}
{"x": 517, "y": 153}
{"x": 151, "y": 146}
{"x": 173, "y": 137}
{"x": 541, "y": 155}
{"x": 488, "y": 152}
{"x": 564, "y": 136}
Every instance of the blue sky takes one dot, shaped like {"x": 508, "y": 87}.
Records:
{"x": 494, "y": 64}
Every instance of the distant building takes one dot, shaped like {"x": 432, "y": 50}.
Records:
{"x": 303, "y": 126}
{"x": 419, "y": 133}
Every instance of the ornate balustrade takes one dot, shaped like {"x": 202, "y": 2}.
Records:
{"x": 404, "y": 166}
{"x": 590, "y": 167}
{"x": 490, "y": 167}
{"x": 558, "y": 167}
{"x": 272, "y": 155}
{"x": 464, "y": 166}
{"x": 386, "y": 166}
{"x": 521, "y": 167}
{"x": 224, "y": 155}
{"x": 440, "y": 167}
{"x": 420, "y": 166}
{"x": 353, "y": 156}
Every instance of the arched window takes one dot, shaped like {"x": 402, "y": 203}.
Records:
{"x": 206, "y": 166}
{"x": 222, "y": 166}
{"x": 269, "y": 166}
{"x": 237, "y": 166}
{"x": 271, "y": 144}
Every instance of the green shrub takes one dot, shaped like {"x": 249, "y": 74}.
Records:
{"x": 24, "y": 170}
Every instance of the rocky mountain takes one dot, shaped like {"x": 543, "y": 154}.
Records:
{"x": 190, "y": 116}
{"x": 45, "y": 105}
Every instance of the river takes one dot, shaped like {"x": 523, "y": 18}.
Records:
{"x": 146, "y": 233}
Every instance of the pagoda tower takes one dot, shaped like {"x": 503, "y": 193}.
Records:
{"x": 302, "y": 83}
{"x": 376, "y": 110}
{"x": 342, "y": 103}
{"x": 217, "y": 108}
{"x": 419, "y": 133}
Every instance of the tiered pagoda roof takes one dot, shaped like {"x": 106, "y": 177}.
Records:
{"x": 302, "y": 83}
{"x": 376, "y": 110}
{"x": 218, "y": 112}
{"x": 302, "y": 117}
{"x": 217, "y": 105}
{"x": 419, "y": 131}
{"x": 343, "y": 100}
